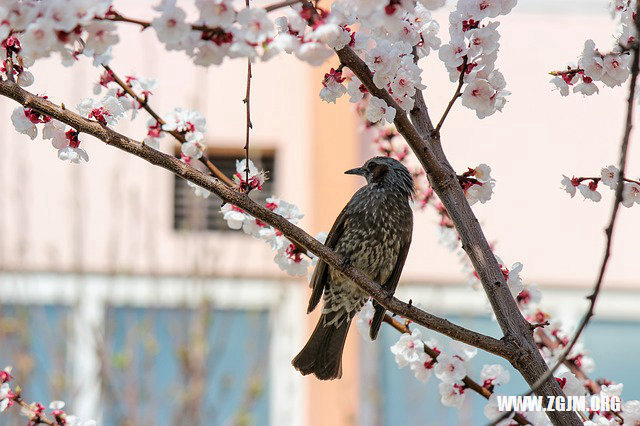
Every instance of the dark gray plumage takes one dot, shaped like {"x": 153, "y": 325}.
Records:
{"x": 373, "y": 232}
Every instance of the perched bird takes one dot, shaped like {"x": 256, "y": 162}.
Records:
{"x": 373, "y": 232}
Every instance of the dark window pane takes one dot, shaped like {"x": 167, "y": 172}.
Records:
{"x": 194, "y": 213}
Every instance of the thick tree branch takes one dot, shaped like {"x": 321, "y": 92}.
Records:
{"x": 425, "y": 143}
{"x": 242, "y": 200}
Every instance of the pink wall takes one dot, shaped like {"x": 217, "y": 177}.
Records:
{"x": 114, "y": 214}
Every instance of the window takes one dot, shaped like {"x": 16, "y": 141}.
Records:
{"x": 193, "y": 213}
{"x": 155, "y": 350}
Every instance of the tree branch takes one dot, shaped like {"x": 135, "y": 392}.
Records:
{"x": 176, "y": 134}
{"x": 425, "y": 143}
{"x": 242, "y": 200}
{"x": 624, "y": 145}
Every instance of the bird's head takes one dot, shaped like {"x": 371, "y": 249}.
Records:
{"x": 386, "y": 172}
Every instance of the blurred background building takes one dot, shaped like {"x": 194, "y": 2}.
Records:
{"x": 126, "y": 296}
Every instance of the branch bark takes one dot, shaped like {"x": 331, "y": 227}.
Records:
{"x": 242, "y": 200}
{"x": 425, "y": 143}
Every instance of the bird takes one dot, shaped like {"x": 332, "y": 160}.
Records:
{"x": 373, "y": 234}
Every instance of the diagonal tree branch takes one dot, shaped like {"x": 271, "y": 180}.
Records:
{"x": 498, "y": 347}
{"x": 425, "y": 143}
{"x": 144, "y": 103}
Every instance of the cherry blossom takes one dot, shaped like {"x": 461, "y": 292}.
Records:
{"x": 233, "y": 215}
{"x": 492, "y": 413}
{"x": 609, "y": 176}
{"x": 364, "y": 318}
{"x": 570, "y": 385}
{"x": 462, "y": 350}
{"x": 631, "y": 412}
{"x": 170, "y": 26}
{"x": 6, "y": 396}
{"x": 630, "y": 194}
{"x": 589, "y": 192}
{"x": 378, "y": 110}
{"x": 257, "y": 177}
{"x": 611, "y": 390}
{"x": 256, "y": 25}
{"x": 23, "y": 123}
{"x": 494, "y": 375}
{"x": 198, "y": 190}
{"x": 216, "y": 13}
{"x": 450, "y": 369}
{"x": 452, "y": 394}
{"x": 485, "y": 96}
{"x": 408, "y": 348}
{"x": 423, "y": 366}
{"x": 290, "y": 260}
{"x": 106, "y": 111}
{"x": 570, "y": 185}
{"x": 332, "y": 86}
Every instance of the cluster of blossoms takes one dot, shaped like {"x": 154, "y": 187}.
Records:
{"x": 142, "y": 87}
{"x": 389, "y": 34}
{"x": 107, "y": 110}
{"x": 609, "y": 176}
{"x": 288, "y": 256}
{"x": 473, "y": 51}
{"x": 36, "y": 29}
{"x": 66, "y": 141}
{"x": 425, "y": 358}
{"x": 35, "y": 411}
{"x": 477, "y": 184}
{"x": 611, "y": 69}
{"x": 191, "y": 124}
{"x": 552, "y": 338}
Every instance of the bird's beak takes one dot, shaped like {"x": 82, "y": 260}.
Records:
{"x": 358, "y": 171}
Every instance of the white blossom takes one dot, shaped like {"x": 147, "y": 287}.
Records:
{"x": 450, "y": 369}
{"x": 452, "y": 394}
{"x": 377, "y": 110}
{"x": 495, "y": 373}
{"x": 408, "y": 348}
{"x": 630, "y": 194}
{"x": 23, "y": 124}
{"x": 609, "y": 176}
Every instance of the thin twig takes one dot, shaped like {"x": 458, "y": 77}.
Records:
{"x": 177, "y": 135}
{"x": 9, "y": 65}
{"x": 612, "y": 221}
{"x": 247, "y": 102}
{"x": 456, "y": 95}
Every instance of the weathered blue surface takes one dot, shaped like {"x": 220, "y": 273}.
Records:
{"x": 147, "y": 361}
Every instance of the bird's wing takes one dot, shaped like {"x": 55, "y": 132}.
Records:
{"x": 321, "y": 273}
{"x": 389, "y": 287}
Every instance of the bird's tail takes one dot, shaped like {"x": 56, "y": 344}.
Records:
{"x": 322, "y": 355}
